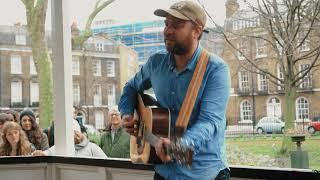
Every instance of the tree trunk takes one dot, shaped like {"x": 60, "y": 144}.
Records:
{"x": 289, "y": 116}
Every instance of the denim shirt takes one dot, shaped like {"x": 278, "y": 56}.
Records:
{"x": 205, "y": 131}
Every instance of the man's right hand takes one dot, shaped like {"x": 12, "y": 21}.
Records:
{"x": 130, "y": 124}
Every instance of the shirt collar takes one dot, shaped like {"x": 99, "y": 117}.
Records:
{"x": 191, "y": 64}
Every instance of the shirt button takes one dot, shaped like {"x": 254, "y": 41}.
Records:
{"x": 173, "y": 93}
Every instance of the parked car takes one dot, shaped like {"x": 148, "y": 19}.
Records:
{"x": 314, "y": 125}
{"x": 270, "y": 125}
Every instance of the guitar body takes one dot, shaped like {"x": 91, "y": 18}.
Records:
{"x": 152, "y": 119}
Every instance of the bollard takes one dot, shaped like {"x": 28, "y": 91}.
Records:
{"x": 299, "y": 158}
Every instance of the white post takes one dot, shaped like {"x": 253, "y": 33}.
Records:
{"x": 62, "y": 78}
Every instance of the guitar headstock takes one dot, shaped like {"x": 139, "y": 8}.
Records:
{"x": 180, "y": 153}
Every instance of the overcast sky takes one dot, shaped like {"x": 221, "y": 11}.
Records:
{"x": 125, "y": 11}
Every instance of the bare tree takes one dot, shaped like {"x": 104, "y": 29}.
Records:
{"x": 78, "y": 41}
{"x": 36, "y": 11}
{"x": 287, "y": 33}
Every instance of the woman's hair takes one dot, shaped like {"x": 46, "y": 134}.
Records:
{"x": 23, "y": 146}
{"x": 15, "y": 115}
{"x": 35, "y": 134}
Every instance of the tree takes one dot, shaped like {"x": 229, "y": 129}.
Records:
{"x": 36, "y": 15}
{"x": 287, "y": 31}
{"x": 78, "y": 41}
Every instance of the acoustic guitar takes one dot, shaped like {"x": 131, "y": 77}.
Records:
{"x": 154, "y": 122}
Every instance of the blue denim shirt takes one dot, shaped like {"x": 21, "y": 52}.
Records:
{"x": 205, "y": 131}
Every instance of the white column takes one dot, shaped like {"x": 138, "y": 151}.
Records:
{"x": 62, "y": 77}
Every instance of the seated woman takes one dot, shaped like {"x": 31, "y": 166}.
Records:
{"x": 33, "y": 131}
{"x": 15, "y": 142}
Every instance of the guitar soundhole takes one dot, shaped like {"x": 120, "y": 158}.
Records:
{"x": 140, "y": 138}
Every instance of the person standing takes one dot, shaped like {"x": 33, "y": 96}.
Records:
{"x": 33, "y": 131}
{"x": 115, "y": 142}
{"x": 15, "y": 141}
{"x": 169, "y": 74}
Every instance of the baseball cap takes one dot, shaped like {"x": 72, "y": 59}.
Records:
{"x": 186, "y": 10}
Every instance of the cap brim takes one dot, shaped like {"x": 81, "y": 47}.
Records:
{"x": 172, "y": 12}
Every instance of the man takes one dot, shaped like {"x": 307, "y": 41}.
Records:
{"x": 83, "y": 148}
{"x": 115, "y": 142}
{"x": 169, "y": 74}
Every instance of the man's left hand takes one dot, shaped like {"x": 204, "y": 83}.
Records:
{"x": 161, "y": 151}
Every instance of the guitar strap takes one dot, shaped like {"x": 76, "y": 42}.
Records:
{"x": 192, "y": 93}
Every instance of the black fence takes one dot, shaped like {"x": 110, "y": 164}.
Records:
{"x": 263, "y": 125}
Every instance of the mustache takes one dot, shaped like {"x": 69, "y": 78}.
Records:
{"x": 169, "y": 38}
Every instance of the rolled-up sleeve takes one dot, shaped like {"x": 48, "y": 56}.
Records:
{"x": 212, "y": 109}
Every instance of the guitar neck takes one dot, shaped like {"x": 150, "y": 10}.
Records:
{"x": 151, "y": 138}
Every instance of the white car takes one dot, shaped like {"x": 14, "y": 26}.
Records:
{"x": 270, "y": 125}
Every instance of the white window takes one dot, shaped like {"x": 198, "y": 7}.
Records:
{"x": 16, "y": 64}
{"x": 260, "y": 48}
{"x": 244, "y": 81}
{"x": 34, "y": 92}
{"x": 274, "y": 107}
{"x": 111, "y": 94}
{"x": 76, "y": 93}
{"x": 20, "y": 39}
{"x": 99, "y": 120}
{"x": 262, "y": 82}
{"x": 110, "y": 68}
{"x": 306, "y": 81}
{"x": 99, "y": 46}
{"x": 302, "y": 108}
{"x": 97, "y": 67}
{"x": 16, "y": 92}
{"x": 32, "y": 67}
{"x": 97, "y": 98}
{"x": 280, "y": 75}
{"x": 242, "y": 49}
{"x": 245, "y": 111}
{"x": 75, "y": 66}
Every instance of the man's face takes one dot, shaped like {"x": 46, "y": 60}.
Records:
{"x": 78, "y": 137}
{"x": 178, "y": 35}
{"x": 115, "y": 117}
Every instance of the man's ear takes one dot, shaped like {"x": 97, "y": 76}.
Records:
{"x": 197, "y": 31}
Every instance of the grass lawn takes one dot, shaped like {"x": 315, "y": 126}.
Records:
{"x": 270, "y": 145}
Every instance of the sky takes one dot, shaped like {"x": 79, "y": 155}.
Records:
{"x": 123, "y": 11}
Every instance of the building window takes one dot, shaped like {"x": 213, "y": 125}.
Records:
{"x": 280, "y": 75}
{"x": 76, "y": 94}
{"x": 305, "y": 46}
{"x": 33, "y": 70}
{"x": 16, "y": 92}
{"x": 97, "y": 67}
{"x": 20, "y": 39}
{"x": 110, "y": 68}
{"x": 34, "y": 92}
{"x": 245, "y": 111}
{"x": 75, "y": 66}
{"x": 111, "y": 94}
{"x": 99, "y": 120}
{"x": 244, "y": 81}
{"x": 97, "y": 100}
{"x": 261, "y": 48}
{"x": 242, "y": 49}
{"x": 305, "y": 82}
{"x": 302, "y": 108}
{"x": 274, "y": 107}
{"x": 16, "y": 64}
{"x": 99, "y": 47}
{"x": 262, "y": 82}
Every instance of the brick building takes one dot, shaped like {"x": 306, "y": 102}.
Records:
{"x": 253, "y": 95}
{"x": 97, "y": 81}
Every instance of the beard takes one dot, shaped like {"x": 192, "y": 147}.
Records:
{"x": 177, "y": 48}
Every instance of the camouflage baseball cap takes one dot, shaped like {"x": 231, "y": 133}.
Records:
{"x": 186, "y": 10}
